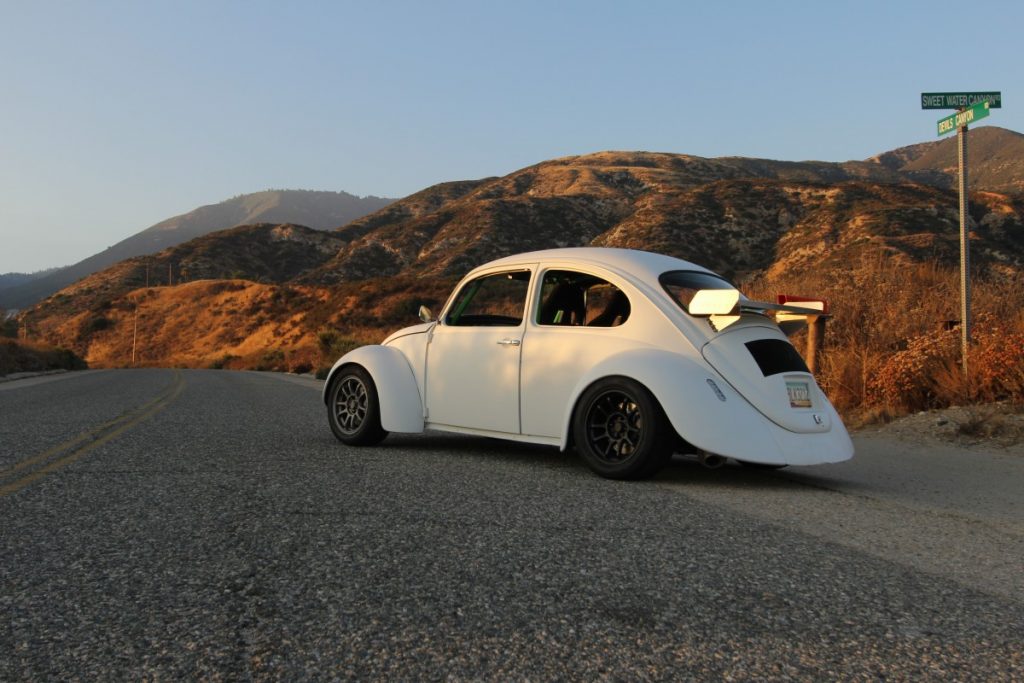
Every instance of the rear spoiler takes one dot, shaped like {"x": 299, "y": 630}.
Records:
{"x": 726, "y": 306}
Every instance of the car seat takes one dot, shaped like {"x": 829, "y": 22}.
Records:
{"x": 615, "y": 311}
{"x": 563, "y": 306}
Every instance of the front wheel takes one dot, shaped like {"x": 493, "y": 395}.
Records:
{"x": 621, "y": 431}
{"x": 353, "y": 409}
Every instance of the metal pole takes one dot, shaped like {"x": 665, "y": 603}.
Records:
{"x": 965, "y": 249}
{"x": 135, "y": 332}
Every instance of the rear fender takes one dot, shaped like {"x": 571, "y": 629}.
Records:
{"x": 400, "y": 406}
{"x": 697, "y": 411}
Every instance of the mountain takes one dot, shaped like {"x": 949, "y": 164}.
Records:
{"x": 995, "y": 158}
{"x": 8, "y": 280}
{"x": 266, "y": 295}
{"x": 318, "y": 210}
{"x": 736, "y": 216}
{"x": 262, "y": 253}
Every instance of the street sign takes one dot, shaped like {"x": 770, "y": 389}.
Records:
{"x": 950, "y": 123}
{"x": 970, "y": 107}
{"x": 960, "y": 100}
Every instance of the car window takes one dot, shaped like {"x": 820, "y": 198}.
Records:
{"x": 491, "y": 300}
{"x": 681, "y": 285}
{"x": 577, "y": 299}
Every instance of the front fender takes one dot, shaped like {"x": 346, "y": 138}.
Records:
{"x": 730, "y": 427}
{"x": 400, "y": 406}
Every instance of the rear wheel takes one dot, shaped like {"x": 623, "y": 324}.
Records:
{"x": 621, "y": 431}
{"x": 353, "y": 409}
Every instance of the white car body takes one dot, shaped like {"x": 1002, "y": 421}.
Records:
{"x": 522, "y": 381}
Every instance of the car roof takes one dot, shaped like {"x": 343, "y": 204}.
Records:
{"x": 642, "y": 265}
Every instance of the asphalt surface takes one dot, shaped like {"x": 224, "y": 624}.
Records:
{"x": 166, "y": 524}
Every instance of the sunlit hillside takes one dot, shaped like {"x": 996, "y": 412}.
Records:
{"x": 240, "y": 323}
{"x": 883, "y": 250}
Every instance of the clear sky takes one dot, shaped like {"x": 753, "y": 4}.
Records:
{"x": 115, "y": 115}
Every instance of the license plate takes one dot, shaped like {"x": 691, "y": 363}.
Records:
{"x": 799, "y": 394}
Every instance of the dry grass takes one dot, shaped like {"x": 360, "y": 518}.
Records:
{"x": 892, "y": 345}
{"x": 21, "y": 356}
{"x": 239, "y": 324}
{"x": 890, "y": 349}
{"x": 991, "y": 423}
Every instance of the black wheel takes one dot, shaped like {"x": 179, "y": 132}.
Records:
{"x": 621, "y": 431}
{"x": 353, "y": 409}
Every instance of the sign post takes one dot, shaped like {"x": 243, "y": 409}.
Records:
{"x": 970, "y": 107}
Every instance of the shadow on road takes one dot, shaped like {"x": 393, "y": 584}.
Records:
{"x": 683, "y": 470}
{"x": 483, "y": 448}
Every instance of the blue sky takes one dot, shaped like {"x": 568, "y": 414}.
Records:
{"x": 115, "y": 116}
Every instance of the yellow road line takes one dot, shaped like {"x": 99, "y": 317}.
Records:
{"x": 121, "y": 424}
{"x": 75, "y": 440}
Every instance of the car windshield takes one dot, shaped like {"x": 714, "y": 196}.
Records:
{"x": 681, "y": 285}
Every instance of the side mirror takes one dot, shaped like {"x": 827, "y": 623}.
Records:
{"x": 425, "y": 315}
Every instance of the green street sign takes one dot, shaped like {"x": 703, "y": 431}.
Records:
{"x": 962, "y": 118}
{"x": 960, "y": 100}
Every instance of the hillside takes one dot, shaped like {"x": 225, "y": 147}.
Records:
{"x": 318, "y": 210}
{"x": 781, "y": 216}
{"x": 285, "y": 296}
{"x": 8, "y": 280}
{"x": 264, "y": 253}
{"x": 995, "y": 158}
{"x": 231, "y": 323}
{"x": 17, "y": 356}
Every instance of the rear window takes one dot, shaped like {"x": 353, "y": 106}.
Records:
{"x": 775, "y": 356}
{"x": 681, "y": 285}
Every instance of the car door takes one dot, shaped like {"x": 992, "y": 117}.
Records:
{"x": 474, "y": 352}
{"x": 578, "y": 320}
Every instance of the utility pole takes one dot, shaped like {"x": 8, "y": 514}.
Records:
{"x": 135, "y": 330}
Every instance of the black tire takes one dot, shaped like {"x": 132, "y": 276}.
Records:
{"x": 353, "y": 409}
{"x": 620, "y": 430}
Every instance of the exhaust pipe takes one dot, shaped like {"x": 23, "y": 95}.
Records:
{"x": 711, "y": 460}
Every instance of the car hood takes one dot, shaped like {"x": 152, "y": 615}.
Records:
{"x": 406, "y": 331}
{"x": 761, "y": 364}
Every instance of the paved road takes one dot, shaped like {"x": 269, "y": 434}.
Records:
{"x": 163, "y": 524}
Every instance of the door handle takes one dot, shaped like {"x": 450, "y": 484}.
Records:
{"x": 509, "y": 342}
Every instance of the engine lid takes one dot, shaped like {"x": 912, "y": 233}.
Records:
{"x": 762, "y": 365}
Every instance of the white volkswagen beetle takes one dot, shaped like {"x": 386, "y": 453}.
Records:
{"x": 627, "y": 355}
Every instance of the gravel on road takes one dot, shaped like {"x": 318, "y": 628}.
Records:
{"x": 229, "y": 536}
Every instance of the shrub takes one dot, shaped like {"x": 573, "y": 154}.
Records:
{"x": 272, "y": 360}
{"x": 222, "y": 362}
{"x": 997, "y": 364}
{"x": 907, "y": 379}
{"x": 333, "y": 345}
{"x": 97, "y": 324}
{"x": 8, "y": 326}
{"x": 887, "y": 349}
{"x": 301, "y": 368}
{"x": 403, "y": 310}
{"x": 32, "y": 357}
